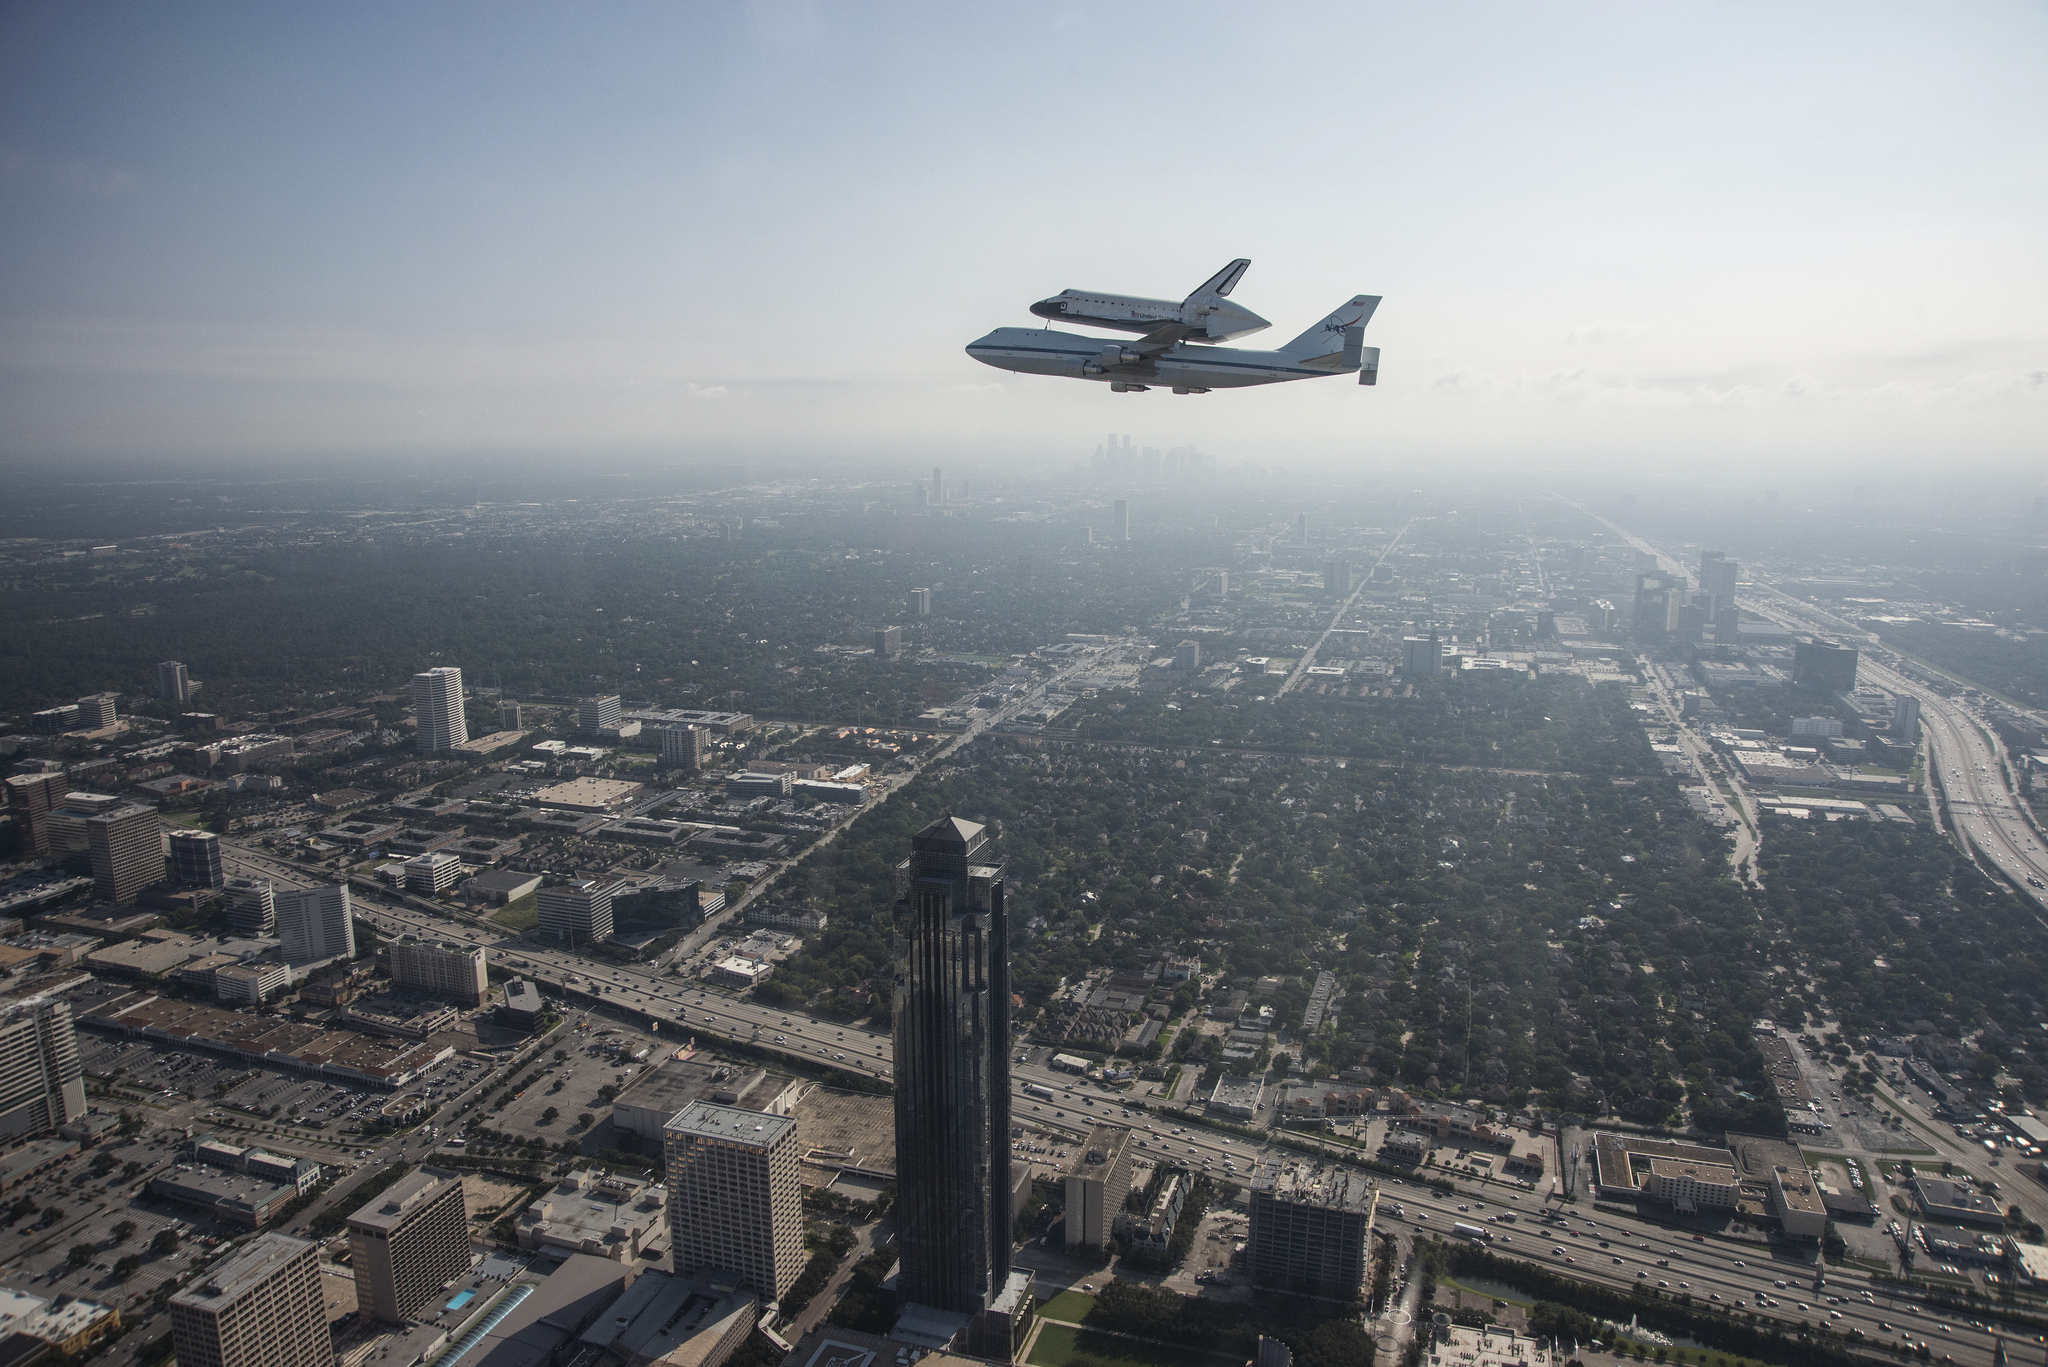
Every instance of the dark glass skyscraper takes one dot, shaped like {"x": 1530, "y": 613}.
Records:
{"x": 952, "y": 1010}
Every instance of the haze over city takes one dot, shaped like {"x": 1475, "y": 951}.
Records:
{"x": 1607, "y": 236}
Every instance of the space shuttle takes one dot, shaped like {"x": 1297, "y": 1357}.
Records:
{"x": 1207, "y": 314}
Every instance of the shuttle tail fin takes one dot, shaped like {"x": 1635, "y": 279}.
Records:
{"x": 1330, "y": 335}
{"x": 1223, "y": 282}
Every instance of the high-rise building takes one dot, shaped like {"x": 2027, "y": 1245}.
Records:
{"x": 952, "y": 1037}
{"x": 508, "y": 716}
{"x": 935, "y": 492}
{"x": 1717, "y": 578}
{"x": 315, "y": 924}
{"x": 734, "y": 1199}
{"x": 577, "y": 913}
{"x": 682, "y": 747}
{"x": 1657, "y": 594}
{"x": 1097, "y": 1180}
{"x": 437, "y": 705}
{"x": 1310, "y": 1227}
{"x": 1301, "y": 528}
{"x": 1905, "y": 729}
{"x": 252, "y": 906}
{"x": 1121, "y": 526}
{"x": 920, "y": 602}
{"x": 598, "y": 713}
{"x": 172, "y": 685}
{"x": 127, "y": 845}
{"x": 1188, "y": 656}
{"x": 1422, "y": 657}
{"x": 30, "y": 800}
{"x": 1823, "y": 664}
{"x": 888, "y": 642}
{"x": 42, "y": 1086}
{"x": 1336, "y": 576}
{"x": 261, "y": 1307}
{"x": 406, "y": 1244}
{"x": 195, "y": 859}
{"x": 455, "y": 971}
{"x": 98, "y": 709}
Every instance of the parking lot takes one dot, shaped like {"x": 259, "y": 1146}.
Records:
{"x": 598, "y": 1057}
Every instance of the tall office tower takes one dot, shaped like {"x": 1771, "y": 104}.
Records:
{"x": 577, "y": 913}
{"x": 97, "y": 710}
{"x": 1656, "y": 594}
{"x": 935, "y": 492}
{"x": 1905, "y": 720}
{"x": 195, "y": 859}
{"x": 1121, "y": 526}
{"x": 508, "y": 716}
{"x": 315, "y": 924}
{"x": 952, "y": 1018}
{"x": 1310, "y": 1226}
{"x": 406, "y": 1244}
{"x": 30, "y": 800}
{"x": 1728, "y": 626}
{"x": 1188, "y": 656}
{"x": 263, "y": 1307}
{"x": 252, "y": 907}
{"x": 41, "y": 1084}
{"x": 920, "y": 602}
{"x": 682, "y": 747}
{"x": 454, "y": 971}
{"x": 888, "y": 642}
{"x": 1717, "y": 577}
{"x": 1421, "y": 657}
{"x": 1823, "y": 664}
{"x": 1097, "y": 1180}
{"x": 1301, "y": 528}
{"x": 127, "y": 846}
{"x": 437, "y": 703}
{"x": 1223, "y": 583}
{"x": 172, "y": 685}
{"x": 1689, "y": 617}
{"x": 598, "y": 712}
{"x": 1336, "y": 576}
{"x": 734, "y": 1200}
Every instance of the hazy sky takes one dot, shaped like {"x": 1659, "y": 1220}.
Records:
{"x": 1709, "y": 236}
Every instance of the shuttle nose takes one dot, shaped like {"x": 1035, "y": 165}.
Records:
{"x": 1054, "y": 307}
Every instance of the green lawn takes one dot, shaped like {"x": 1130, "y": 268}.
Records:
{"x": 1059, "y": 1344}
{"x": 1069, "y": 1305}
{"x": 523, "y": 914}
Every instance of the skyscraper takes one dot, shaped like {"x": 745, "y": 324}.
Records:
{"x": 1336, "y": 576}
{"x": 315, "y": 924}
{"x": 508, "y": 715}
{"x": 171, "y": 683}
{"x": 577, "y": 913}
{"x": 1657, "y": 594}
{"x": 1823, "y": 664}
{"x": 437, "y": 704}
{"x": 127, "y": 846}
{"x": 1717, "y": 577}
{"x": 97, "y": 710}
{"x": 458, "y": 972}
{"x": 262, "y": 1307}
{"x": 734, "y": 1200}
{"x": 252, "y": 906}
{"x": 597, "y": 713}
{"x": 888, "y": 642}
{"x": 920, "y": 602}
{"x": 1421, "y": 657}
{"x": 30, "y": 800}
{"x": 682, "y": 747}
{"x": 1122, "y": 530}
{"x": 952, "y": 1035}
{"x": 1310, "y": 1226}
{"x": 41, "y": 1083}
{"x": 195, "y": 859}
{"x": 407, "y": 1243}
{"x": 935, "y": 493}
{"x": 1905, "y": 720}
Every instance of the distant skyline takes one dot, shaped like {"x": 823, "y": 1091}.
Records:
{"x": 1732, "y": 238}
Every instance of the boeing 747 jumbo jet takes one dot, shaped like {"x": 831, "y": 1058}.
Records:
{"x": 1163, "y": 356}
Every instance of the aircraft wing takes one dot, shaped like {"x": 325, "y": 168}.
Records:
{"x": 1163, "y": 338}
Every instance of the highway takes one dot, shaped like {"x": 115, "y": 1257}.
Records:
{"x": 1308, "y": 657}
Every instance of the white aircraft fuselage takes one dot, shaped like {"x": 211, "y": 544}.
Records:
{"x": 1185, "y": 369}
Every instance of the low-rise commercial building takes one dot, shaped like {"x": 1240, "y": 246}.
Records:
{"x": 602, "y": 1214}
{"x": 650, "y": 1100}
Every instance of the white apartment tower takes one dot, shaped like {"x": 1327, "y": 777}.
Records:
{"x": 454, "y": 971}
{"x": 262, "y": 1307}
{"x": 41, "y": 1084}
{"x": 437, "y": 702}
{"x": 315, "y": 924}
{"x": 733, "y": 1195}
{"x": 682, "y": 747}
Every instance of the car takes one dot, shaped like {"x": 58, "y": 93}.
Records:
{"x": 1557, "y": 1252}
{"x": 1618, "y": 1260}
{"x": 1640, "y": 1276}
{"x": 1714, "y": 1296}
{"x": 1087, "y": 1286}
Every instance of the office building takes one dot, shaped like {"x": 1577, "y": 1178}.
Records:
{"x": 734, "y": 1200}
{"x": 127, "y": 845}
{"x": 315, "y": 924}
{"x": 1816, "y": 728}
{"x": 888, "y": 642}
{"x": 97, "y": 710}
{"x": 1717, "y": 580}
{"x": 952, "y": 1096}
{"x": 252, "y": 907}
{"x": 577, "y": 913}
{"x": 406, "y": 1244}
{"x": 41, "y": 1084}
{"x": 1421, "y": 657}
{"x": 1823, "y": 664}
{"x": 1905, "y": 720}
{"x": 437, "y": 706}
{"x": 30, "y": 800}
{"x": 682, "y": 747}
{"x": 920, "y": 602}
{"x": 1336, "y": 577}
{"x": 432, "y": 873}
{"x": 1301, "y": 529}
{"x": 261, "y": 1307}
{"x": 1097, "y": 1180}
{"x": 1121, "y": 526}
{"x": 935, "y": 492}
{"x": 598, "y": 713}
{"x": 1311, "y": 1224}
{"x": 195, "y": 859}
{"x": 458, "y": 972}
{"x": 508, "y": 716}
{"x": 1188, "y": 656}
{"x": 172, "y": 684}
{"x": 1658, "y": 595}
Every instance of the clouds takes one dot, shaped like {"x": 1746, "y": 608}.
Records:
{"x": 1605, "y": 333}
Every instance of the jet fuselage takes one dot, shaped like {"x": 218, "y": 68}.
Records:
{"x": 1041, "y": 351}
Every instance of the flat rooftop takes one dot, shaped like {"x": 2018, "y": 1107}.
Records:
{"x": 386, "y": 1210}
{"x": 707, "y": 1120}
{"x": 260, "y": 1259}
{"x": 587, "y": 794}
{"x": 1099, "y": 1152}
{"x": 1324, "y": 1186}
